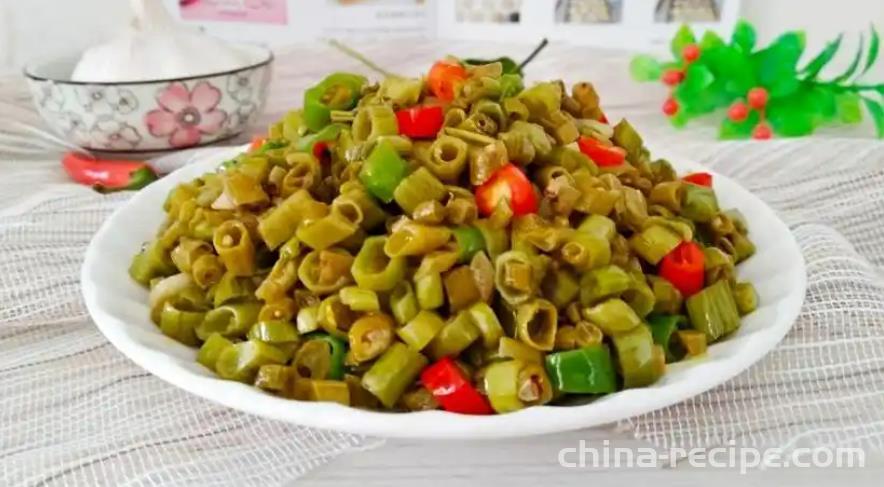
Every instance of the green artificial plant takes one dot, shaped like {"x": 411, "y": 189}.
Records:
{"x": 765, "y": 90}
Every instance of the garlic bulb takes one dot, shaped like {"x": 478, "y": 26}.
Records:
{"x": 156, "y": 47}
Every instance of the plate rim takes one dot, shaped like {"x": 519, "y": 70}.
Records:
{"x": 430, "y": 424}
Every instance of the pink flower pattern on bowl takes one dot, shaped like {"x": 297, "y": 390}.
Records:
{"x": 186, "y": 115}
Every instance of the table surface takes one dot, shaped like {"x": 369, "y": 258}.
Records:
{"x": 525, "y": 461}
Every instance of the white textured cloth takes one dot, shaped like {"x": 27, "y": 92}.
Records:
{"x": 74, "y": 411}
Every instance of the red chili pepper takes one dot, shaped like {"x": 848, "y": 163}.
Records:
{"x": 443, "y": 77}
{"x": 107, "y": 175}
{"x": 699, "y": 178}
{"x": 507, "y": 183}
{"x": 446, "y": 382}
{"x": 684, "y": 268}
{"x": 321, "y": 151}
{"x": 257, "y": 142}
{"x": 602, "y": 155}
{"x": 420, "y": 122}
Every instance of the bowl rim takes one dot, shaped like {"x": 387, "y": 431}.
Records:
{"x": 28, "y": 69}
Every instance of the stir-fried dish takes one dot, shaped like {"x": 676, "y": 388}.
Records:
{"x": 454, "y": 242}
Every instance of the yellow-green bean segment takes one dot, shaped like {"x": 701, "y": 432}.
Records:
{"x": 471, "y": 224}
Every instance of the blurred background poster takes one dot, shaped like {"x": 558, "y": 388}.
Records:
{"x": 281, "y": 22}
{"x": 630, "y": 24}
{"x": 260, "y": 11}
{"x": 627, "y": 24}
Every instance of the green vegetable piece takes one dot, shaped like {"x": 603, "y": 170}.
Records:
{"x": 373, "y": 269}
{"x": 641, "y": 361}
{"x": 403, "y": 303}
{"x": 654, "y": 242}
{"x": 359, "y": 299}
{"x": 663, "y": 328}
{"x": 454, "y": 337}
{"x": 391, "y": 374}
{"x": 714, "y": 311}
{"x": 322, "y": 357}
{"x": 337, "y": 91}
{"x": 469, "y": 241}
{"x": 211, "y": 349}
{"x": 241, "y": 361}
{"x": 180, "y": 325}
{"x": 612, "y": 316}
{"x": 601, "y": 283}
{"x": 587, "y": 370}
{"x": 745, "y": 297}
{"x": 382, "y": 172}
{"x": 418, "y": 187}
{"x": 230, "y": 320}
{"x": 274, "y": 332}
{"x": 486, "y": 321}
{"x": 420, "y": 330}
{"x": 699, "y": 203}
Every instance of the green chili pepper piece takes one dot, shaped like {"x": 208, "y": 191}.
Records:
{"x": 663, "y": 329}
{"x": 469, "y": 241}
{"x": 328, "y": 134}
{"x": 587, "y": 370}
{"x": 338, "y": 91}
{"x": 382, "y": 171}
{"x": 508, "y": 66}
{"x": 510, "y": 85}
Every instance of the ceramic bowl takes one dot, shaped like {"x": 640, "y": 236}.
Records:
{"x": 150, "y": 115}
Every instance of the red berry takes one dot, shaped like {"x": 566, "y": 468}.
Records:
{"x": 673, "y": 77}
{"x": 670, "y": 107}
{"x": 690, "y": 53}
{"x": 757, "y": 98}
{"x": 762, "y": 131}
{"x": 738, "y": 111}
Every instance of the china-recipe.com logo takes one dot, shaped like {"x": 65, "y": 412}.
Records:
{"x": 604, "y": 455}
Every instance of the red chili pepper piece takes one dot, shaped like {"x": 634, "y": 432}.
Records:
{"x": 107, "y": 175}
{"x": 420, "y": 122}
{"x": 321, "y": 151}
{"x": 446, "y": 382}
{"x": 699, "y": 178}
{"x": 602, "y": 155}
{"x": 684, "y": 268}
{"x": 444, "y": 77}
{"x": 257, "y": 142}
{"x": 508, "y": 183}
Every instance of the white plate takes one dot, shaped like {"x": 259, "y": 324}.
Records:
{"x": 119, "y": 307}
